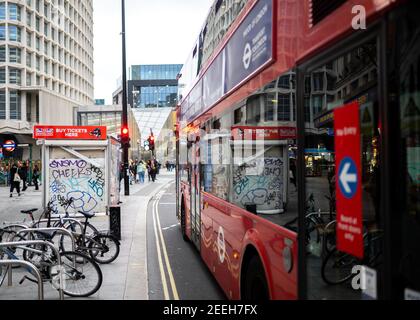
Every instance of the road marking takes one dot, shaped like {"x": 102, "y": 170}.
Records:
{"x": 165, "y": 253}
{"x": 170, "y": 227}
{"x": 161, "y": 268}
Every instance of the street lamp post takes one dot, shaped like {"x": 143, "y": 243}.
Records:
{"x": 124, "y": 101}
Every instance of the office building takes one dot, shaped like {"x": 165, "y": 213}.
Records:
{"x": 46, "y": 67}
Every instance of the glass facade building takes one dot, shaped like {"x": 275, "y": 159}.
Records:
{"x": 155, "y": 96}
{"x": 155, "y": 72}
{"x": 153, "y": 86}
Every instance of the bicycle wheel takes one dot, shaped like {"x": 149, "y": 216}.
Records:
{"x": 10, "y": 231}
{"x": 104, "y": 249}
{"x": 82, "y": 275}
{"x": 75, "y": 228}
{"x": 337, "y": 267}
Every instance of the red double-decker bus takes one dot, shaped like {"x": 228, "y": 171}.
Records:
{"x": 298, "y": 172}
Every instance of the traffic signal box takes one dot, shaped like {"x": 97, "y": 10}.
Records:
{"x": 125, "y": 137}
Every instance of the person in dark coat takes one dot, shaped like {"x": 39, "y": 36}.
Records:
{"x": 14, "y": 180}
{"x": 35, "y": 177}
{"x": 23, "y": 173}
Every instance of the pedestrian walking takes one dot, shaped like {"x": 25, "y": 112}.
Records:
{"x": 35, "y": 177}
{"x": 149, "y": 170}
{"x": 23, "y": 173}
{"x": 14, "y": 180}
{"x": 141, "y": 169}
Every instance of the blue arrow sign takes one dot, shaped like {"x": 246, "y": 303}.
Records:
{"x": 348, "y": 178}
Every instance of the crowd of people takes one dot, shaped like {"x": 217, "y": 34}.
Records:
{"x": 139, "y": 169}
{"x": 18, "y": 176}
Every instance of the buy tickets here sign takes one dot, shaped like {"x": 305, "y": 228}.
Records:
{"x": 70, "y": 133}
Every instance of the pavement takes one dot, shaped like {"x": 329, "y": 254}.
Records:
{"x": 124, "y": 279}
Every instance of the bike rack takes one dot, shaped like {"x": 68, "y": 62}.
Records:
{"x": 25, "y": 264}
{"x": 23, "y": 244}
{"x": 58, "y": 230}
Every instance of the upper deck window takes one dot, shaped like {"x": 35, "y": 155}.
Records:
{"x": 320, "y": 9}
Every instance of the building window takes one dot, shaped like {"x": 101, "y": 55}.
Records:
{"x": 2, "y": 54}
{"x": 2, "y": 75}
{"x": 29, "y": 39}
{"x": 3, "y": 11}
{"x": 14, "y": 33}
{"x": 14, "y": 76}
{"x": 14, "y": 55}
{"x": 37, "y": 24}
{"x": 29, "y": 79}
{"x": 15, "y": 108}
{"x": 14, "y": 11}
{"x": 28, "y": 18}
{"x": 284, "y": 82}
{"x": 38, "y": 63}
{"x": 29, "y": 60}
{"x": 318, "y": 81}
{"x": 283, "y": 113}
{"x": 3, "y": 33}
{"x": 2, "y": 104}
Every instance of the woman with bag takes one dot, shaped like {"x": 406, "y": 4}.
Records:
{"x": 14, "y": 180}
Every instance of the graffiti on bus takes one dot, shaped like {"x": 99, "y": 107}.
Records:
{"x": 259, "y": 183}
{"x": 80, "y": 180}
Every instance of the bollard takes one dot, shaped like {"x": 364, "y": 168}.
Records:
{"x": 115, "y": 221}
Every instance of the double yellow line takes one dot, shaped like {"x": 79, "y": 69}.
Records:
{"x": 161, "y": 250}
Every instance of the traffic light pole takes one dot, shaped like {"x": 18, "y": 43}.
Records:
{"x": 124, "y": 103}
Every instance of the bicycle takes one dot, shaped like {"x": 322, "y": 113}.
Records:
{"x": 81, "y": 275}
{"x": 103, "y": 248}
{"x": 337, "y": 267}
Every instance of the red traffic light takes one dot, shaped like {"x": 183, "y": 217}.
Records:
{"x": 124, "y": 131}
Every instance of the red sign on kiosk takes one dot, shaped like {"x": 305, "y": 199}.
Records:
{"x": 70, "y": 133}
{"x": 348, "y": 180}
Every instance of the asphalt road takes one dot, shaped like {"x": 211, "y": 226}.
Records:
{"x": 187, "y": 277}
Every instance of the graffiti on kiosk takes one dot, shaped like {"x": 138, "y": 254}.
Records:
{"x": 261, "y": 186}
{"x": 80, "y": 180}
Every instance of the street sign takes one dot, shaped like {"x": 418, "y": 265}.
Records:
{"x": 348, "y": 182}
{"x": 9, "y": 146}
{"x": 70, "y": 132}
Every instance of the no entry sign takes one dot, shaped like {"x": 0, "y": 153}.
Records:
{"x": 69, "y": 132}
{"x": 348, "y": 180}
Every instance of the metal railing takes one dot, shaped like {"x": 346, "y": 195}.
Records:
{"x": 34, "y": 271}
{"x": 56, "y": 230}
{"x": 23, "y": 245}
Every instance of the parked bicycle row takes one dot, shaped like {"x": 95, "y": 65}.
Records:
{"x": 64, "y": 251}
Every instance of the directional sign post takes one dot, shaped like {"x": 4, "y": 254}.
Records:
{"x": 349, "y": 187}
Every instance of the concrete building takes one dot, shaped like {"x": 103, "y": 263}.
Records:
{"x": 46, "y": 67}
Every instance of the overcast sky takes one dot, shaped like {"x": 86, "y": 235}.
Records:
{"x": 158, "y": 32}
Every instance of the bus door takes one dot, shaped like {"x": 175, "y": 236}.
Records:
{"x": 195, "y": 187}
{"x": 343, "y": 214}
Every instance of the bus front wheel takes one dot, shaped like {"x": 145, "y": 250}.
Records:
{"x": 255, "y": 286}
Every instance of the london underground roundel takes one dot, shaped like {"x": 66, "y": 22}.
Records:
{"x": 9, "y": 146}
